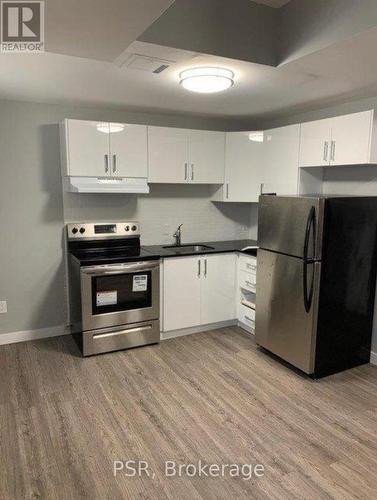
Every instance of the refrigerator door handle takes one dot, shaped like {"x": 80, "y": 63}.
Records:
{"x": 308, "y": 260}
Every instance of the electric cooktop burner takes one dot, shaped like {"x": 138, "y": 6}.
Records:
{"x": 106, "y": 243}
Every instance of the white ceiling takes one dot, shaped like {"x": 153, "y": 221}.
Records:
{"x": 344, "y": 71}
{"x": 273, "y": 3}
{"x": 98, "y": 29}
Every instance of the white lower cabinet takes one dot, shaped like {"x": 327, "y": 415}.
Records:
{"x": 199, "y": 290}
{"x": 181, "y": 293}
{"x": 246, "y": 291}
{"x": 218, "y": 288}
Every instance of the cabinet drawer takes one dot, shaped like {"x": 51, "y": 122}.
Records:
{"x": 247, "y": 316}
{"x": 248, "y": 264}
{"x": 248, "y": 281}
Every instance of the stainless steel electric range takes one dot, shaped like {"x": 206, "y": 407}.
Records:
{"x": 114, "y": 287}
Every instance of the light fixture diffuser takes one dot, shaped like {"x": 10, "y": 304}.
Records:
{"x": 206, "y": 80}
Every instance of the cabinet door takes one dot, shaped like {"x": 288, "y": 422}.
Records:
{"x": 315, "y": 142}
{"x": 243, "y": 167}
{"x": 218, "y": 291}
{"x": 280, "y": 172}
{"x": 129, "y": 150}
{"x": 181, "y": 293}
{"x": 168, "y": 155}
{"x": 87, "y": 148}
{"x": 351, "y": 139}
{"x": 206, "y": 157}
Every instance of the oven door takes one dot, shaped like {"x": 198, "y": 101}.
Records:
{"x": 119, "y": 294}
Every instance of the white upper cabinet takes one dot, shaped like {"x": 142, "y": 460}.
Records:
{"x": 85, "y": 148}
{"x": 129, "y": 150}
{"x": 351, "y": 139}
{"x": 181, "y": 156}
{"x": 281, "y": 153}
{"x": 343, "y": 140}
{"x": 168, "y": 151}
{"x": 101, "y": 149}
{"x": 206, "y": 157}
{"x": 243, "y": 169}
{"x": 315, "y": 143}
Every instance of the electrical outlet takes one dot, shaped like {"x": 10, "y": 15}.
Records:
{"x": 3, "y": 307}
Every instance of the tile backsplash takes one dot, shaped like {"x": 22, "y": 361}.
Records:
{"x": 163, "y": 210}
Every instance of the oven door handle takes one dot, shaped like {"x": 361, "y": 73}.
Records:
{"x": 123, "y": 268}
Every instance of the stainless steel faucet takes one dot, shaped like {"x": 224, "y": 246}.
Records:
{"x": 178, "y": 235}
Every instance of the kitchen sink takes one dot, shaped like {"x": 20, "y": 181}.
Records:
{"x": 189, "y": 248}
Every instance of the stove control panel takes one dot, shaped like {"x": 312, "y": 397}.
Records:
{"x": 102, "y": 230}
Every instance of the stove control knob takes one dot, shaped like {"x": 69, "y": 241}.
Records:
{"x": 74, "y": 230}
{"x": 82, "y": 230}
{"x": 133, "y": 228}
{"x": 127, "y": 228}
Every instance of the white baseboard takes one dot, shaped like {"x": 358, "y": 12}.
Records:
{"x": 41, "y": 333}
{"x": 373, "y": 358}
{"x": 196, "y": 329}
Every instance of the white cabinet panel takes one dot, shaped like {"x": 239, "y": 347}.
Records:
{"x": 181, "y": 293}
{"x": 351, "y": 139}
{"x": 87, "y": 145}
{"x": 168, "y": 155}
{"x": 218, "y": 288}
{"x": 243, "y": 168}
{"x": 281, "y": 154}
{"x": 315, "y": 141}
{"x": 129, "y": 151}
{"x": 206, "y": 157}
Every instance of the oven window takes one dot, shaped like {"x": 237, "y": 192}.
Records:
{"x": 121, "y": 292}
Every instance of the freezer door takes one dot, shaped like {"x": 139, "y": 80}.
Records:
{"x": 287, "y": 308}
{"x": 285, "y": 223}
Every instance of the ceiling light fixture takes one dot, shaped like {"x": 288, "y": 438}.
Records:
{"x": 206, "y": 80}
{"x": 110, "y": 128}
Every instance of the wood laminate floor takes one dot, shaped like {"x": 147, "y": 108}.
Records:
{"x": 211, "y": 396}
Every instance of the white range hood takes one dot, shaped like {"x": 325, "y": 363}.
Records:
{"x": 106, "y": 185}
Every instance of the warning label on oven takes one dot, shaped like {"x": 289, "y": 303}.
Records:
{"x": 109, "y": 298}
{"x": 139, "y": 283}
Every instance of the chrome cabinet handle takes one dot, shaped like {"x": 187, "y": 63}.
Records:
{"x": 106, "y": 163}
{"x": 114, "y": 163}
{"x": 199, "y": 268}
{"x": 325, "y": 150}
{"x": 261, "y": 188}
{"x": 192, "y": 171}
{"x": 333, "y": 145}
{"x": 186, "y": 170}
{"x": 227, "y": 191}
{"x": 205, "y": 268}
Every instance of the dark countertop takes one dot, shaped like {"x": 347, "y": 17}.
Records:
{"x": 217, "y": 247}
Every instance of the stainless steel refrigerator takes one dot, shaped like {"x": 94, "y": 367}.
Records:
{"x": 316, "y": 279}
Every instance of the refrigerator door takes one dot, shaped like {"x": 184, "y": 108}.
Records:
{"x": 285, "y": 223}
{"x": 287, "y": 308}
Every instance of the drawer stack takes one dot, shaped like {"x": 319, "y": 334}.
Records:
{"x": 247, "y": 273}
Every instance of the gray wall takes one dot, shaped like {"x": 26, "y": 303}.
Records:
{"x": 32, "y": 211}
